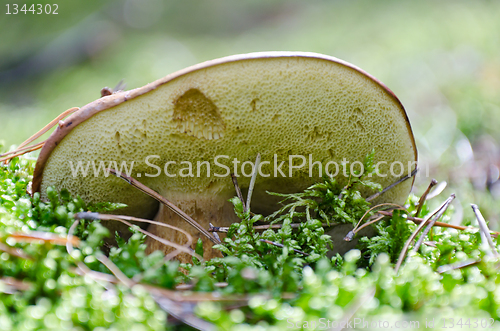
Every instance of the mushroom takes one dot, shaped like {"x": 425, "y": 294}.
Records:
{"x": 201, "y": 118}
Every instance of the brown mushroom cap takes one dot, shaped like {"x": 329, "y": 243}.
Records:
{"x": 272, "y": 103}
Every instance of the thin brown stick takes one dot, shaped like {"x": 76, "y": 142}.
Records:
{"x": 115, "y": 270}
{"x": 341, "y": 194}
{"x": 186, "y": 296}
{"x": 417, "y": 220}
{"x": 484, "y": 229}
{"x": 349, "y": 236}
{"x": 106, "y": 217}
{"x": 47, "y": 237}
{"x": 25, "y": 149}
{"x": 424, "y": 197}
{"x": 369, "y": 223}
{"x": 281, "y": 245}
{"x": 186, "y": 287}
{"x": 459, "y": 265}
{"x": 138, "y": 277}
{"x": 14, "y": 252}
{"x": 224, "y": 229}
{"x": 238, "y": 190}
{"x": 16, "y": 153}
{"x": 399, "y": 181}
{"x": 216, "y": 235}
{"x": 18, "y": 285}
{"x": 97, "y": 216}
{"x": 252, "y": 182}
{"x": 412, "y": 237}
{"x": 100, "y": 257}
{"x": 69, "y": 248}
{"x": 135, "y": 183}
{"x": 432, "y": 222}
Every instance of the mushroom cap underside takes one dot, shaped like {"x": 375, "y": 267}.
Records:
{"x": 305, "y": 105}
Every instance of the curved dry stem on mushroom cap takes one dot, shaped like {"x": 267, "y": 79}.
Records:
{"x": 277, "y": 104}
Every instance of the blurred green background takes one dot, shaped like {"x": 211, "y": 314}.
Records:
{"x": 441, "y": 58}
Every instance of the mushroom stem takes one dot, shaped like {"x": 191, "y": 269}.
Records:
{"x": 165, "y": 202}
{"x": 206, "y": 209}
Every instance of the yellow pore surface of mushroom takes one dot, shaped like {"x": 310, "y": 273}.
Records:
{"x": 276, "y": 106}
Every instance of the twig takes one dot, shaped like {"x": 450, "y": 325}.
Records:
{"x": 186, "y": 287}
{"x": 69, "y": 248}
{"x": 216, "y": 235}
{"x": 14, "y": 252}
{"x": 369, "y": 223}
{"x": 281, "y": 245}
{"x": 100, "y": 257}
{"x": 166, "y": 202}
{"x": 414, "y": 235}
{"x": 399, "y": 181}
{"x": 459, "y": 265}
{"x": 19, "y": 153}
{"x": 440, "y": 224}
{"x": 252, "y": 182}
{"x": 47, "y": 237}
{"x": 341, "y": 194}
{"x": 18, "y": 285}
{"x": 238, "y": 190}
{"x": 353, "y": 232}
{"x": 25, "y": 149}
{"x": 225, "y": 229}
{"x": 424, "y": 197}
{"x": 432, "y": 222}
{"x": 484, "y": 229}
{"x": 120, "y": 218}
{"x": 114, "y": 270}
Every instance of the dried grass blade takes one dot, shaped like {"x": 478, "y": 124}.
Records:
{"x": 484, "y": 229}
{"x": 255, "y": 171}
{"x": 399, "y": 181}
{"x": 432, "y": 222}
{"x": 459, "y": 265}
{"x": 424, "y": 196}
{"x": 412, "y": 237}
{"x": 47, "y": 237}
